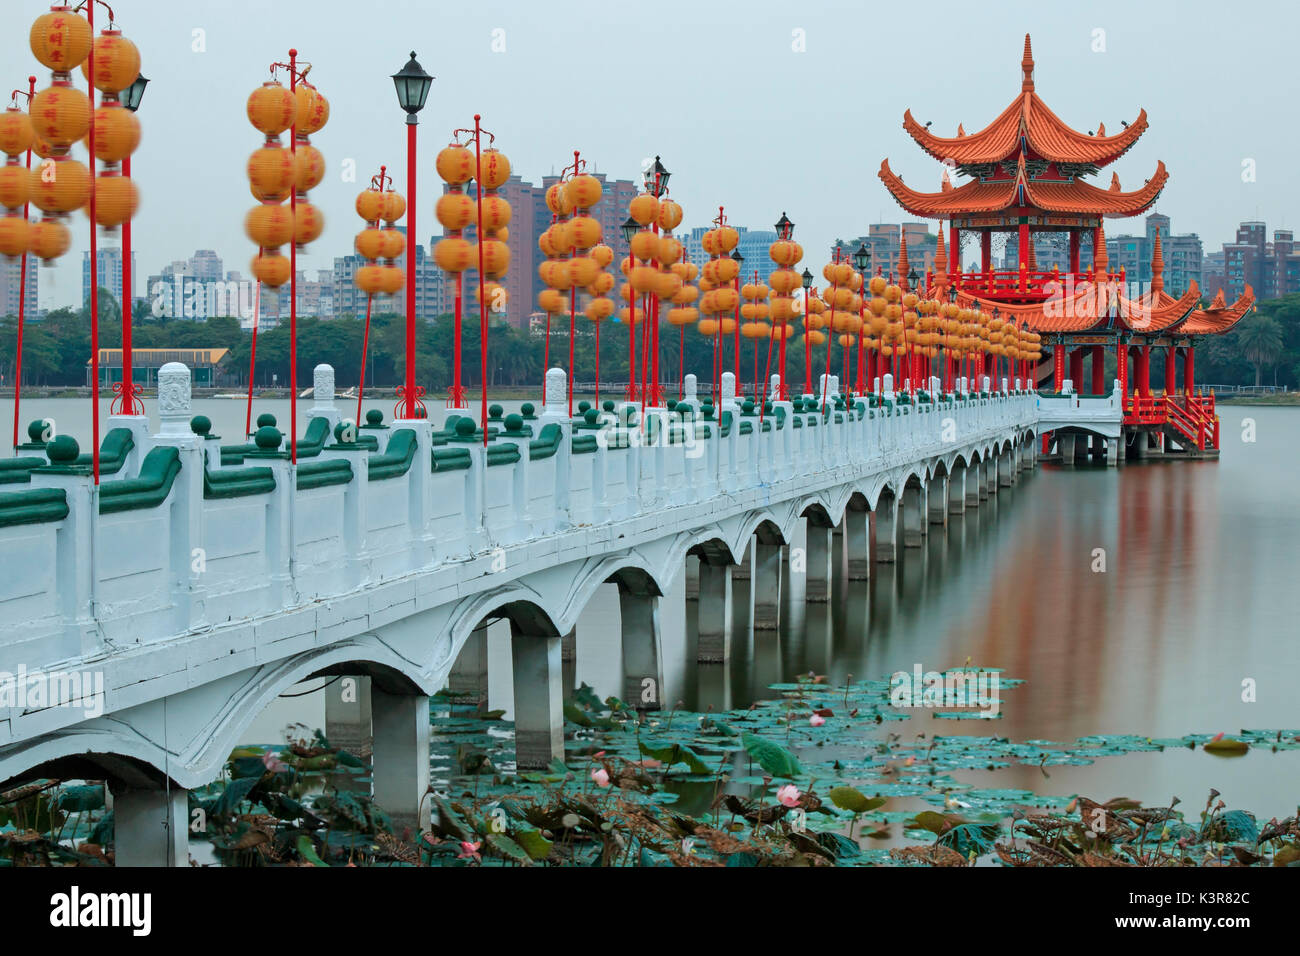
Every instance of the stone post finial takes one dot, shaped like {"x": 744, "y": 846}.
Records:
{"x": 728, "y": 387}
{"x": 174, "y": 399}
{"x": 322, "y": 380}
{"x": 774, "y": 389}
{"x": 887, "y": 386}
{"x": 556, "y": 394}
{"x": 986, "y": 383}
{"x": 689, "y": 388}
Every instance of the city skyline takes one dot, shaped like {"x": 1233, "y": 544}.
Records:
{"x": 1093, "y": 64}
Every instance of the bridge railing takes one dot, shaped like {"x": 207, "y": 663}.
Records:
{"x": 186, "y": 544}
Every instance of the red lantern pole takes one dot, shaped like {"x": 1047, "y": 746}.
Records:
{"x": 365, "y": 349}
{"x": 94, "y": 261}
{"x": 482, "y": 290}
{"x": 128, "y": 390}
{"x": 252, "y": 357}
{"x": 573, "y": 292}
{"x": 22, "y": 283}
{"x": 458, "y": 390}
{"x": 735, "y": 339}
{"x": 293, "y": 274}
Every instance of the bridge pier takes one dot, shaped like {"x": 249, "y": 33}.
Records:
{"x": 400, "y": 760}
{"x": 857, "y": 538}
{"x": 1007, "y": 470}
{"x": 991, "y": 476}
{"x": 468, "y": 679}
{"x": 982, "y": 479}
{"x": 537, "y": 670}
{"x": 937, "y": 501}
{"x": 1112, "y": 452}
{"x": 957, "y": 490}
{"x": 766, "y": 586}
{"x": 713, "y": 613}
{"x": 1066, "y": 443}
{"x": 347, "y": 713}
{"x": 886, "y": 531}
{"x": 973, "y": 482}
{"x": 818, "y": 552}
{"x": 692, "y": 578}
{"x": 912, "y": 522}
{"x": 151, "y": 827}
{"x": 643, "y": 673}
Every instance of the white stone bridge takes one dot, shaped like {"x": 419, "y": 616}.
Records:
{"x": 200, "y": 584}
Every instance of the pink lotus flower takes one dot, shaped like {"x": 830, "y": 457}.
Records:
{"x": 601, "y": 776}
{"x": 274, "y": 763}
{"x": 469, "y": 851}
{"x": 816, "y": 720}
{"x": 788, "y": 795}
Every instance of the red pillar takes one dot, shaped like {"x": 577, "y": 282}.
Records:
{"x": 1123, "y": 370}
{"x": 1023, "y": 247}
{"x": 1076, "y": 369}
{"x": 954, "y": 250}
{"x": 1098, "y": 370}
{"x": 1144, "y": 371}
{"x": 1171, "y": 373}
{"x": 986, "y": 250}
{"x": 1189, "y": 370}
{"x": 1074, "y": 251}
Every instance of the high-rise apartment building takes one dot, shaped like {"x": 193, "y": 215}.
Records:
{"x": 109, "y": 269}
{"x": 1272, "y": 269}
{"x": 11, "y": 281}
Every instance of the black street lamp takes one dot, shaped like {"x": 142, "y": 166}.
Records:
{"x": 629, "y": 229}
{"x": 911, "y": 278}
{"x": 133, "y": 94}
{"x": 807, "y": 279}
{"x": 784, "y": 227}
{"x": 412, "y": 85}
{"x": 737, "y": 258}
{"x": 862, "y": 258}
{"x": 656, "y": 179}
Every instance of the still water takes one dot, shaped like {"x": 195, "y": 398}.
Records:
{"x": 1197, "y": 601}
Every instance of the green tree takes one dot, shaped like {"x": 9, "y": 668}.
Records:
{"x": 1260, "y": 340}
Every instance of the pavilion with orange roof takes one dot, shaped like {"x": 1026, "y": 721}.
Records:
{"x": 1027, "y": 174}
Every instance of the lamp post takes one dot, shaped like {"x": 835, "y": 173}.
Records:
{"x": 412, "y": 84}
{"x": 912, "y": 367}
{"x": 861, "y": 262}
{"x": 22, "y": 285}
{"x": 629, "y": 229}
{"x": 131, "y": 98}
{"x": 655, "y": 179}
{"x": 807, "y": 280}
{"x": 784, "y": 230}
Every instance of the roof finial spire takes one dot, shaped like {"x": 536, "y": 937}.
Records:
{"x": 940, "y": 262}
{"x": 1100, "y": 260}
{"x": 1027, "y": 65}
{"x": 903, "y": 264}
{"x": 1158, "y": 267}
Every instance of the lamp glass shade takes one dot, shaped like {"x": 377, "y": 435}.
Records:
{"x": 862, "y": 258}
{"x": 807, "y": 278}
{"x": 629, "y": 228}
{"x": 412, "y": 85}
{"x": 737, "y": 256}
{"x": 784, "y": 227}
{"x": 133, "y": 94}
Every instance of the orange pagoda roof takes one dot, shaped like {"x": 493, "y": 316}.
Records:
{"x": 1087, "y": 308}
{"x": 1046, "y": 134}
{"x": 1051, "y": 196}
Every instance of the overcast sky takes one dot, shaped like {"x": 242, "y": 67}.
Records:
{"x": 760, "y": 106}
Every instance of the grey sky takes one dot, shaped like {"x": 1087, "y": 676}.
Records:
{"x": 719, "y": 90}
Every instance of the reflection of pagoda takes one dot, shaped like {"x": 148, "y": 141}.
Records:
{"x": 1027, "y": 174}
